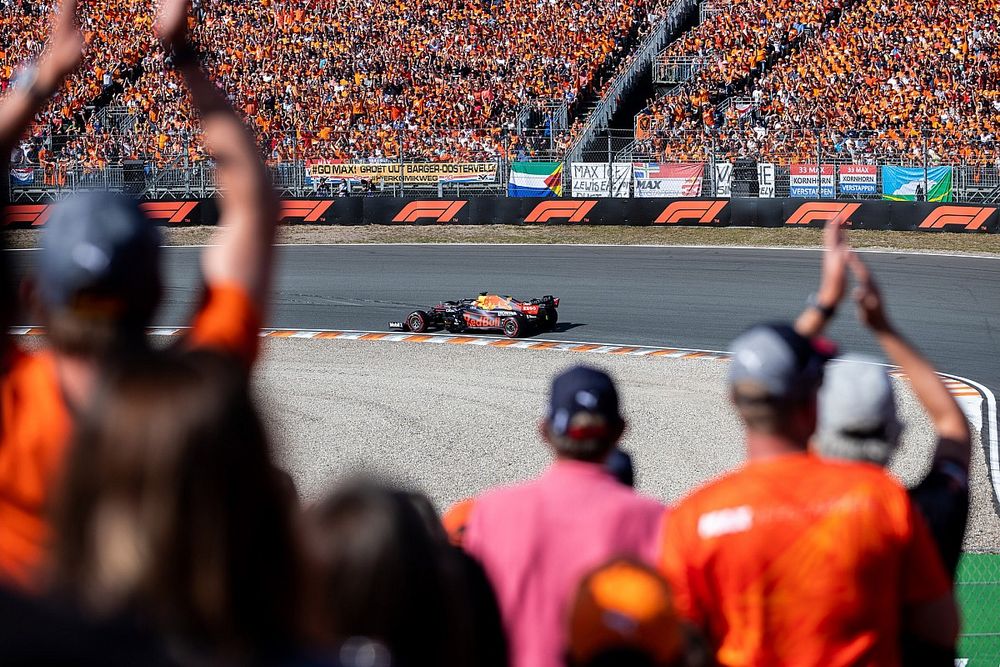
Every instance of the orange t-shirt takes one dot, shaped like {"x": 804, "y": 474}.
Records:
{"x": 37, "y": 426}
{"x": 798, "y": 561}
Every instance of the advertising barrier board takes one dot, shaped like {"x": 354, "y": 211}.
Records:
{"x": 699, "y": 211}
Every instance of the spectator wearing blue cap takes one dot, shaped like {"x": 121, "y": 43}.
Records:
{"x": 99, "y": 282}
{"x": 536, "y": 539}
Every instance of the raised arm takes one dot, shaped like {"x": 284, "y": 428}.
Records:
{"x": 952, "y": 428}
{"x": 243, "y": 249}
{"x": 832, "y": 283}
{"x": 39, "y": 81}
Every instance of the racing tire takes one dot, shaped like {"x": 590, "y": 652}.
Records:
{"x": 511, "y": 326}
{"x": 417, "y": 321}
{"x": 550, "y": 320}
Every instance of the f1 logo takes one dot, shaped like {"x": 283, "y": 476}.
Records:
{"x": 823, "y": 212}
{"x": 304, "y": 209}
{"x": 173, "y": 212}
{"x": 702, "y": 211}
{"x": 570, "y": 211}
{"x": 32, "y": 214}
{"x": 972, "y": 218}
{"x": 439, "y": 211}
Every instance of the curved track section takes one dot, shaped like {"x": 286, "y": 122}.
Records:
{"x": 663, "y": 296}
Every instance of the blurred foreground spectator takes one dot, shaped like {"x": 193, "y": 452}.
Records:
{"x": 171, "y": 510}
{"x": 99, "y": 283}
{"x": 387, "y": 571}
{"x": 623, "y": 616}
{"x": 537, "y": 539}
{"x": 796, "y": 560}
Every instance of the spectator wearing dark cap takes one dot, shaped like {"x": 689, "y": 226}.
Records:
{"x": 796, "y": 560}
{"x": 537, "y": 539}
{"x": 98, "y": 285}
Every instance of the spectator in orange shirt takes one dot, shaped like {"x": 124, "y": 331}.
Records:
{"x": 794, "y": 560}
{"x": 99, "y": 283}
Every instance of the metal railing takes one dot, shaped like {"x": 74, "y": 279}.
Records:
{"x": 674, "y": 70}
{"x": 664, "y": 30}
{"x": 742, "y": 150}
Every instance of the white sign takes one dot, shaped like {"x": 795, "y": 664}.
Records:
{"x": 723, "y": 179}
{"x": 600, "y": 179}
{"x": 765, "y": 179}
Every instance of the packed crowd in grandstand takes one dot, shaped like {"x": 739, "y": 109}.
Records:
{"x": 144, "y": 521}
{"x": 438, "y": 80}
{"x": 874, "y": 78}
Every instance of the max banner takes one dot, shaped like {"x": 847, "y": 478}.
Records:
{"x": 718, "y": 212}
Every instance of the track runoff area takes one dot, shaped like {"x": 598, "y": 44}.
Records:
{"x": 456, "y": 414}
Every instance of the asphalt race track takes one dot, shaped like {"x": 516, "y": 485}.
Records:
{"x": 673, "y": 296}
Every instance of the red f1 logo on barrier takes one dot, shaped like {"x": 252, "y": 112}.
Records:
{"x": 570, "y": 211}
{"x": 304, "y": 209}
{"x": 32, "y": 214}
{"x": 969, "y": 217}
{"x": 702, "y": 211}
{"x": 173, "y": 212}
{"x": 439, "y": 211}
{"x": 823, "y": 212}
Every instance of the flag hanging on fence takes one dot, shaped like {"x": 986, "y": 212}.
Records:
{"x": 668, "y": 180}
{"x": 909, "y": 184}
{"x": 22, "y": 176}
{"x": 535, "y": 179}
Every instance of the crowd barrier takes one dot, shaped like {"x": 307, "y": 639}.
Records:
{"x": 738, "y": 212}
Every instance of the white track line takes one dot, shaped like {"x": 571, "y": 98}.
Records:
{"x": 667, "y": 246}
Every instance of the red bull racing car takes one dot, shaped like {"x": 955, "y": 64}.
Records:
{"x": 486, "y": 312}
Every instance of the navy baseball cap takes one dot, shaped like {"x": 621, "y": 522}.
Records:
{"x": 99, "y": 252}
{"x": 583, "y": 390}
{"x": 778, "y": 359}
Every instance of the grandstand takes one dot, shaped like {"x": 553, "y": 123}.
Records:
{"x": 748, "y": 81}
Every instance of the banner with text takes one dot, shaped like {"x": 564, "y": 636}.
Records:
{"x": 766, "y": 179}
{"x": 802, "y": 181}
{"x": 858, "y": 179}
{"x": 412, "y": 172}
{"x": 910, "y": 184}
{"x": 600, "y": 179}
{"x": 723, "y": 179}
{"x": 668, "y": 180}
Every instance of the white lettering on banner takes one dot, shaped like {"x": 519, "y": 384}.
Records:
{"x": 621, "y": 179}
{"x": 765, "y": 179}
{"x": 591, "y": 179}
{"x": 723, "y": 179}
{"x": 860, "y": 179}
{"x": 803, "y": 180}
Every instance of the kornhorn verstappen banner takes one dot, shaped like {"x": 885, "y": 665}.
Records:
{"x": 535, "y": 179}
{"x": 858, "y": 179}
{"x": 668, "y": 180}
{"x": 413, "y": 172}
{"x": 909, "y": 184}
{"x": 802, "y": 181}
{"x": 601, "y": 179}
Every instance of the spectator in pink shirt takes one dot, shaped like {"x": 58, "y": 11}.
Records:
{"x": 537, "y": 539}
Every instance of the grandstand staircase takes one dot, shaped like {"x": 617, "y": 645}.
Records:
{"x": 599, "y": 113}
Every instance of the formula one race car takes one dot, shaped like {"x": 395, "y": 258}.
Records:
{"x": 487, "y": 312}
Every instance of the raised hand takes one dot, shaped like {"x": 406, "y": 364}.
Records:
{"x": 833, "y": 279}
{"x": 63, "y": 51}
{"x": 868, "y": 296}
{"x": 172, "y": 23}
